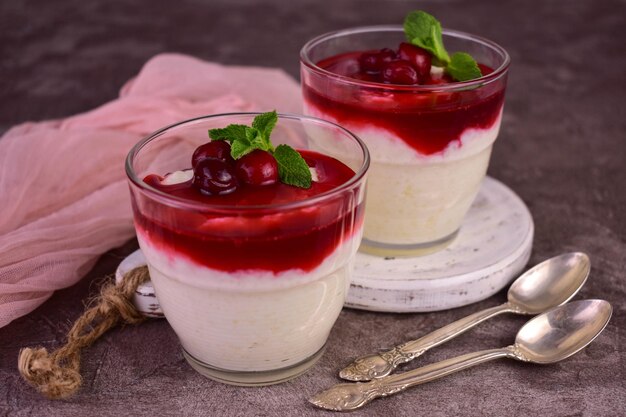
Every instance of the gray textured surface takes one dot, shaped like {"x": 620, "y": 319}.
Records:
{"x": 561, "y": 149}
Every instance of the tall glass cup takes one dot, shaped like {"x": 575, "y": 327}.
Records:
{"x": 430, "y": 144}
{"x": 251, "y": 291}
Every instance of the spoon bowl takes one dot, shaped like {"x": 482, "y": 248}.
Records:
{"x": 550, "y": 283}
{"x": 559, "y": 333}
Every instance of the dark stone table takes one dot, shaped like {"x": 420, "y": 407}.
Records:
{"x": 562, "y": 149}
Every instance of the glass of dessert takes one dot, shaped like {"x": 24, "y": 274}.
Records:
{"x": 249, "y": 239}
{"x": 428, "y": 118}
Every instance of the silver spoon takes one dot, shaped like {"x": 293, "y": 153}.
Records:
{"x": 549, "y": 284}
{"x": 547, "y": 338}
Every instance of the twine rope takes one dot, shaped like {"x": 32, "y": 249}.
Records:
{"x": 57, "y": 374}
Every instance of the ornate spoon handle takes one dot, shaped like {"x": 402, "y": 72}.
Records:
{"x": 379, "y": 365}
{"x": 346, "y": 397}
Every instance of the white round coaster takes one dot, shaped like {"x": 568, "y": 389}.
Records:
{"x": 492, "y": 248}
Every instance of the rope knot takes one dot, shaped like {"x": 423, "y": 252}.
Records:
{"x": 57, "y": 375}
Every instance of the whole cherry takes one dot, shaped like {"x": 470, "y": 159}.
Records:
{"x": 213, "y": 176}
{"x": 257, "y": 168}
{"x": 373, "y": 61}
{"x": 419, "y": 58}
{"x": 217, "y": 149}
{"x": 399, "y": 72}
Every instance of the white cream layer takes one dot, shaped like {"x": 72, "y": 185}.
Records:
{"x": 415, "y": 199}
{"x": 250, "y": 320}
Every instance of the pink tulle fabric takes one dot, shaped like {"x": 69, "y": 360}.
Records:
{"x": 64, "y": 200}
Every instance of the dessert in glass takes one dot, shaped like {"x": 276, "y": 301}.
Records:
{"x": 251, "y": 272}
{"x": 430, "y": 137}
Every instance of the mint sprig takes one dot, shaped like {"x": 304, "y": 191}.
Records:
{"x": 232, "y": 132}
{"x": 292, "y": 168}
{"x": 265, "y": 123}
{"x": 423, "y": 30}
{"x": 463, "y": 67}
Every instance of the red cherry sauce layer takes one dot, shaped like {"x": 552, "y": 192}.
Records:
{"x": 428, "y": 121}
{"x": 276, "y": 241}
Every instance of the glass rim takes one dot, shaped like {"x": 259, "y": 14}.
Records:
{"x": 459, "y": 85}
{"x": 183, "y": 203}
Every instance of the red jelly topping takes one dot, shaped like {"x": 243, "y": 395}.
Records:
{"x": 426, "y": 119}
{"x": 255, "y": 239}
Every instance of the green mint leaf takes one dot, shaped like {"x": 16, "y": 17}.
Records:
{"x": 230, "y": 133}
{"x": 258, "y": 140}
{"x": 253, "y": 134}
{"x": 265, "y": 124}
{"x": 240, "y": 148}
{"x": 463, "y": 67}
{"x": 292, "y": 168}
{"x": 243, "y": 144}
{"x": 423, "y": 30}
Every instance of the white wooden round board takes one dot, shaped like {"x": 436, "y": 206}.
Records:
{"x": 491, "y": 248}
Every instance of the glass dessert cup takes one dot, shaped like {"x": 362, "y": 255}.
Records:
{"x": 430, "y": 144}
{"x": 252, "y": 291}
